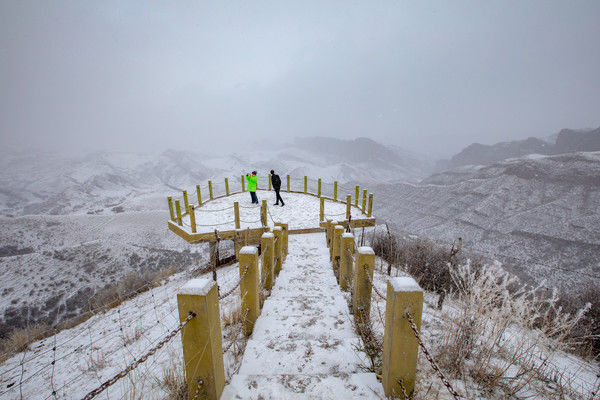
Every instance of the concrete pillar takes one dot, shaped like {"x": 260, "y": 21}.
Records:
{"x": 361, "y": 301}
{"x": 192, "y": 215}
{"x": 337, "y": 241}
{"x": 370, "y": 211}
{"x": 348, "y": 205}
{"x": 347, "y": 260}
{"x": 322, "y": 210}
{"x": 226, "y": 187}
{"x": 278, "y": 233}
{"x": 202, "y": 338}
{"x": 178, "y": 210}
{"x": 400, "y": 346}
{"x": 186, "y": 203}
{"x": 199, "y": 195}
{"x": 236, "y": 214}
{"x": 171, "y": 211}
{"x": 210, "y": 190}
{"x": 267, "y": 271}
{"x": 249, "y": 290}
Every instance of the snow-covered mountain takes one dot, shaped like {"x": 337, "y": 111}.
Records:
{"x": 538, "y": 214}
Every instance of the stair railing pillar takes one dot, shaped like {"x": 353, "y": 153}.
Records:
{"x": 201, "y": 338}
{"x": 356, "y": 196}
{"x": 305, "y": 184}
{"x": 178, "y": 211}
{"x": 370, "y": 210}
{"x": 288, "y": 182}
{"x": 319, "y": 189}
{"x": 236, "y": 214}
{"x": 278, "y": 233}
{"x": 192, "y": 214}
{"x": 171, "y": 211}
{"x": 226, "y": 187}
{"x": 400, "y": 346}
{"x": 198, "y": 192}
{"x": 364, "y": 201}
{"x": 186, "y": 203}
{"x": 284, "y": 234}
{"x": 335, "y": 185}
{"x": 210, "y": 190}
{"x": 267, "y": 272}
{"x": 361, "y": 300}
{"x": 337, "y": 245}
{"x": 243, "y": 184}
{"x": 347, "y": 258}
{"x": 269, "y": 181}
{"x": 263, "y": 213}
{"x": 348, "y": 205}
{"x": 249, "y": 287}
{"x": 322, "y": 209}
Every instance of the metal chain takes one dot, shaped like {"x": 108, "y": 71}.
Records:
{"x": 221, "y": 297}
{"x": 429, "y": 357}
{"x": 140, "y": 360}
{"x": 213, "y": 209}
{"x": 371, "y": 282}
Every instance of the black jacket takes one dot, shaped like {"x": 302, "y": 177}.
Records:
{"x": 275, "y": 181}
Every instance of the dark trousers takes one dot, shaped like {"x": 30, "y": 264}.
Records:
{"x": 254, "y": 198}
{"x": 278, "y": 196}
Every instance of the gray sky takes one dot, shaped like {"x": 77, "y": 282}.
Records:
{"x": 428, "y": 76}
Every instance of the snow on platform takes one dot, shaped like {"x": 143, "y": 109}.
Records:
{"x": 303, "y": 344}
{"x": 300, "y": 211}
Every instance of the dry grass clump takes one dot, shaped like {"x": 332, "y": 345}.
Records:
{"x": 20, "y": 339}
{"x": 173, "y": 381}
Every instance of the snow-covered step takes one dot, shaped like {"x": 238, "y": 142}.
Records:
{"x": 300, "y": 386}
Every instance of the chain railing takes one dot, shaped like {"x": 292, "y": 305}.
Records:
{"x": 230, "y": 291}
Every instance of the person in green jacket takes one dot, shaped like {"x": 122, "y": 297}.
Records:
{"x": 252, "y": 179}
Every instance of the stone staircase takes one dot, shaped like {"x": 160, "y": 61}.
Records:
{"x": 303, "y": 344}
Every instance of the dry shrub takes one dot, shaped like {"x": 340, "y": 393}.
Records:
{"x": 232, "y": 317}
{"x": 20, "y": 339}
{"x": 504, "y": 334}
{"x": 173, "y": 382}
{"x": 586, "y": 335}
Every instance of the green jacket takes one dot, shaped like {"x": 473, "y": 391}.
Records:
{"x": 252, "y": 179}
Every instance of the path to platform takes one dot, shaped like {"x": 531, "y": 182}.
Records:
{"x": 304, "y": 345}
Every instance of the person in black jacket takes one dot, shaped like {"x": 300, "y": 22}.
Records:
{"x": 276, "y": 182}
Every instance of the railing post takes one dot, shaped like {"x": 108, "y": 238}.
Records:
{"x": 267, "y": 271}
{"x": 269, "y": 179}
{"x": 356, "y": 196}
{"x": 243, "y": 184}
{"x": 186, "y": 203}
{"x": 364, "y": 202}
{"x": 348, "y": 205}
{"x": 370, "y": 211}
{"x": 319, "y": 189}
{"x": 210, "y": 190}
{"x": 277, "y": 232}
{"x": 236, "y": 214}
{"x": 192, "y": 213}
{"x": 201, "y": 338}
{"x": 361, "y": 301}
{"x": 335, "y": 191}
{"x": 178, "y": 210}
{"x": 285, "y": 234}
{"x": 346, "y": 260}
{"x": 400, "y": 346}
{"x": 226, "y": 187}
{"x": 263, "y": 213}
{"x": 199, "y": 195}
{"x": 288, "y": 182}
{"x": 249, "y": 287}
{"x": 330, "y": 238}
{"x": 305, "y": 184}
{"x": 337, "y": 241}
{"x": 322, "y": 210}
{"x": 171, "y": 212}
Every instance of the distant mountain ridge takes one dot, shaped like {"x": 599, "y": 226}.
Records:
{"x": 567, "y": 141}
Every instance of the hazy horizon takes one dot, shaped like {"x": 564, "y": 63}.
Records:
{"x": 430, "y": 77}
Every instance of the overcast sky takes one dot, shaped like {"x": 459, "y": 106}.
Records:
{"x": 428, "y": 76}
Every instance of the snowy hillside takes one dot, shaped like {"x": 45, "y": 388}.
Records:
{"x": 538, "y": 214}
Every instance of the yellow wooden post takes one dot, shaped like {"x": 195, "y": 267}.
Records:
{"x": 322, "y": 210}
{"x": 284, "y": 233}
{"x": 226, "y": 187}
{"x": 370, "y": 211}
{"x": 346, "y": 260}
{"x": 337, "y": 239}
{"x": 186, "y": 203}
{"x": 263, "y": 213}
{"x": 210, "y": 190}
{"x": 277, "y": 232}
{"x": 249, "y": 287}
{"x": 335, "y": 191}
{"x": 192, "y": 214}
{"x": 199, "y": 195}
{"x": 356, "y": 196}
{"x": 201, "y": 338}
{"x": 305, "y": 184}
{"x": 269, "y": 179}
{"x": 364, "y": 202}
{"x": 400, "y": 346}
{"x": 328, "y": 234}
{"x": 319, "y": 190}
{"x": 171, "y": 212}
{"x": 361, "y": 300}
{"x": 267, "y": 271}
{"x": 348, "y": 205}
{"x": 243, "y": 184}
{"x": 236, "y": 214}
{"x": 288, "y": 183}
{"x": 178, "y": 210}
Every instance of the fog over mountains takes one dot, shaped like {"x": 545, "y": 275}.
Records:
{"x": 72, "y": 225}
